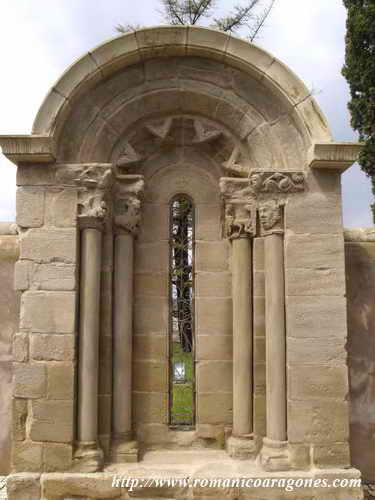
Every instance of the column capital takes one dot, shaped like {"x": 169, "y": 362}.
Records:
{"x": 271, "y": 217}
{"x": 128, "y": 203}
{"x": 94, "y": 184}
{"x": 239, "y": 208}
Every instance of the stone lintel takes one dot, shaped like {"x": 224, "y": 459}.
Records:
{"x": 334, "y": 155}
{"x": 28, "y": 148}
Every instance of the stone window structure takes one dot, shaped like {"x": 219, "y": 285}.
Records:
{"x": 130, "y": 126}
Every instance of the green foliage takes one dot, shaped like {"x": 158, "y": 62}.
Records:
{"x": 359, "y": 70}
{"x": 245, "y": 15}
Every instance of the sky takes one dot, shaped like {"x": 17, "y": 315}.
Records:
{"x": 39, "y": 39}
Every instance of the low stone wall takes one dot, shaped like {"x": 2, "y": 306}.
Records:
{"x": 360, "y": 279}
{"x": 9, "y": 307}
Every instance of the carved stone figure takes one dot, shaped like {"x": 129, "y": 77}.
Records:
{"x": 94, "y": 184}
{"x": 270, "y": 216}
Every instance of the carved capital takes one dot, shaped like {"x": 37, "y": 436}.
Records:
{"x": 271, "y": 217}
{"x": 94, "y": 182}
{"x": 239, "y": 209}
{"x": 128, "y": 203}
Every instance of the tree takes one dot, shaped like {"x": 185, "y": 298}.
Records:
{"x": 359, "y": 71}
{"x": 250, "y": 16}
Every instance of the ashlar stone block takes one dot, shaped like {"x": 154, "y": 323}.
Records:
{"x": 215, "y": 376}
{"x": 25, "y": 486}
{"x": 30, "y": 380}
{"x": 60, "y": 381}
{"x": 52, "y": 421}
{"x": 318, "y": 381}
{"x": 19, "y": 419}
{"x": 49, "y": 245}
{"x": 52, "y": 347}
{"x": 30, "y": 207}
{"x": 316, "y": 317}
{"x": 57, "y": 457}
{"x": 318, "y": 421}
{"x": 21, "y": 347}
{"x": 48, "y": 312}
{"x": 27, "y": 457}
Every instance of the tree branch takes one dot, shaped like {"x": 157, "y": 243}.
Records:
{"x": 259, "y": 23}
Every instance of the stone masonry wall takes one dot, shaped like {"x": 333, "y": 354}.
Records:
{"x": 9, "y": 306}
{"x": 44, "y": 346}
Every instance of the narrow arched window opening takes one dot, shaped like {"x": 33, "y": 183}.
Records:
{"x": 181, "y": 313}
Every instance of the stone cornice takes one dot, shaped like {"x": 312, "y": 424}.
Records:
{"x": 28, "y": 148}
{"x": 334, "y": 155}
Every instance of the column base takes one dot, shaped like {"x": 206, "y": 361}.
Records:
{"x": 274, "y": 456}
{"x": 241, "y": 448}
{"x": 88, "y": 457}
{"x": 124, "y": 452}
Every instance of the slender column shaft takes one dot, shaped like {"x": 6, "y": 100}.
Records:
{"x": 91, "y": 244}
{"x": 122, "y": 335}
{"x": 275, "y": 338}
{"x": 242, "y": 337}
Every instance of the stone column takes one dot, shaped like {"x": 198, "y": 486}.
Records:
{"x": 93, "y": 183}
{"x": 88, "y": 453}
{"x": 127, "y": 220}
{"x": 240, "y": 225}
{"x": 274, "y": 455}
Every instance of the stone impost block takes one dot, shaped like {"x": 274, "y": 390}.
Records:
{"x": 150, "y": 376}
{"x": 331, "y": 455}
{"x": 150, "y": 407}
{"x": 319, "y": 281}
{"x": 24, "y": 486}
{"x": 30, "y": 380}
{"x": 48, "y": 312}
{"x": 215, "y": 376}
{"x": 316, "y": 251}
{"x": 316, "y": 317}
{"x": 27, "y": 456}
{"x": 30, "y": 207}
{"x": 212, "y": 256}
{"x": 19, "y": 419}
{"x": 218, "y": 347}
{"x": 52, "y": 421}
{"x": 214, "y": 316}
{"x": 215, "y": 408}
{"x": 21, "y": 347}
{"x": 49, "y": 245}
{"x": 52, "y": 347}
{"x": 60, "y": 381}
{"x": 57, "y": 457}
{"x": 318, "y": 381}
{"x": 318, "y": 421}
